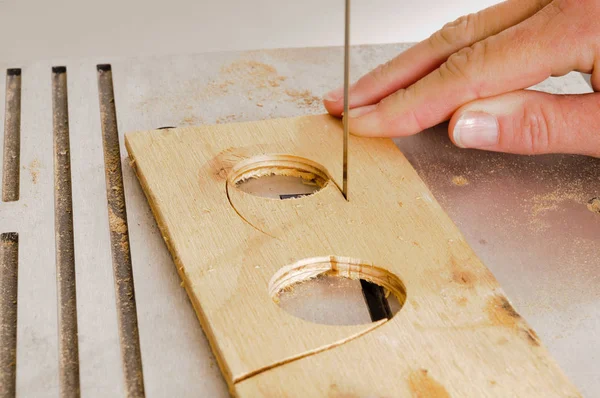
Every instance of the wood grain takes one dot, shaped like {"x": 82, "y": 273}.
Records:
{"x": 457, "y": 334}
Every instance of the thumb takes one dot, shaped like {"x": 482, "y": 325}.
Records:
{"x": 530, "y": 122}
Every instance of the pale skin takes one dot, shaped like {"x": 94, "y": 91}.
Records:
{"x": 473, "y": 72}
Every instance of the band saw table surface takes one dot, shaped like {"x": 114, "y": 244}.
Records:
{"x": 527, "y": 218}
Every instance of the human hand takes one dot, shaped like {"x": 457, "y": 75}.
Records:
{"x": 473, "y": 72}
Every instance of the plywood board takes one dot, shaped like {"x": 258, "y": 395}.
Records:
{"x": 457, "y": 333}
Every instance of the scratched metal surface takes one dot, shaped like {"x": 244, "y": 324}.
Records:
{"x": 525, "y": 217}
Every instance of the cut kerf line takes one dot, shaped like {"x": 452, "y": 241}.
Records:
{"x": 68, "y": 345}
{"x": 9, "y": 260}
{"x": 12, "y": 137}
{"x": 119, "y": 236}
{"x": 308, "y": 353}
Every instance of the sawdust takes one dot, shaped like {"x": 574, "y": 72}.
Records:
{"x": 34, "y": 170}
{"x": 191, "y": 121}
{"x": 242, "y": 77}
{"x": 460, "y": 181}
{"x": 227, "y": 119}
{"x": 116, "y": 223}
{"x": 541, "y": 206}
{"x": 124, "y": 242}
{"x": 259, "y": 82}
{"x": 594, "y": 205}
{"x": 304, "y": 98}
{"x": 254, "y": 68}
{"x": 219, "y": 87}
{"x": 552, "y": 200}
{"x": 276, "y": 82}
{"x": 247, "y": 73}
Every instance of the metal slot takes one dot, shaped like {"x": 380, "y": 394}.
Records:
{"x": 9, "y": 259}
{"x": 119, "y": 236}
{"x": 378, "y": 305}
{"x": 12, "y": 137}
{"x": 65, "y": 251}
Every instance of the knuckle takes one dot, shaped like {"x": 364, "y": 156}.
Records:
{"x": 467, "y": 65}
{"x": 536, "y": 133}
{"x": 379, "y": 75}
{"x": 462, "y": 32}
{"x": 396, "y": 117}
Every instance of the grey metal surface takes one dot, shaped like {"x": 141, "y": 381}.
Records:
{"x": 525, "y": 217}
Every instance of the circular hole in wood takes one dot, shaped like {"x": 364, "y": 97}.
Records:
{"x": 279, "y": 177}
{"x": 337, "y": 290}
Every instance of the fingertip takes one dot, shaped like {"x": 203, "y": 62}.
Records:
{"x": 333, "y": 101}
{"x": 333, "y": 108}
{"x": 334, "y": 95}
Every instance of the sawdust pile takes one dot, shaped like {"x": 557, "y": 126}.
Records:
{"x": 249, "y": 74}
{"x": 460, "y": 181}
{"x": 304, "y": 99}
{"x": 257, "y": 82}
{"x": 594, "y": 205}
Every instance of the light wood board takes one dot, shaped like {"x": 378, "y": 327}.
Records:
{"x": 457, "y": 334}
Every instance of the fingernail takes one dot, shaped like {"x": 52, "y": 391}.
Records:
{"x": 476, "y": 130}
{"x": 363, "y": 110}
{"x": 334, "y": 95}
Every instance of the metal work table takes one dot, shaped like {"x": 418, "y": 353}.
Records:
{"x": 526, "y": 217}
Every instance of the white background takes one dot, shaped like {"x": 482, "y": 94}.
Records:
{"x": 42, "y": 29}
